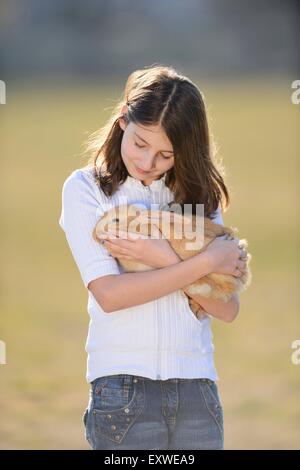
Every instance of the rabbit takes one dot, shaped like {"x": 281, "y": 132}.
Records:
{"x": 214, "y": 285}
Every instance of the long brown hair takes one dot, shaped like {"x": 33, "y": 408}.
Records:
{"x": 158, "y": 95}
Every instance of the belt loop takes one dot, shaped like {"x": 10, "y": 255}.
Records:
{"x": 128, "y": 378}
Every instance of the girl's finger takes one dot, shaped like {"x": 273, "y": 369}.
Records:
{"x": 241, "y": 265}
{"x": 115, "y": 234}
{"x": 125, "y": 257}
{"x": 128, "y": 236}
{"x": 133, "y": 236}
{"x": 116, "y": 240}
{"x": 113, "y": 250}
{"x": 155, "y": 232}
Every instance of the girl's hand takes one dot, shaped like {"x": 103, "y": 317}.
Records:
{"x": 154, "y": 252}
{"x": 226, "y": 257}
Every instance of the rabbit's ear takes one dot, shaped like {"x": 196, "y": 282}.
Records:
{"x": 168, "y": 216}
{"x": 162, "y": 218}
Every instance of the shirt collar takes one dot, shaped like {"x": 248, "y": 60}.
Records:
{"x": 157, "y": 185}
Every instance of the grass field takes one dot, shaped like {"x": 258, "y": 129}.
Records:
{"x": 44, "y": 319}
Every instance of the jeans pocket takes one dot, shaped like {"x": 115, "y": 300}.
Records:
{"x": 113, "y": 392}
{"x": 117, "y": 402}
{"x": 212, "y": 402}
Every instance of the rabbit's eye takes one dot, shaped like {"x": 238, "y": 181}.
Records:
{"x": 115, "y": 220}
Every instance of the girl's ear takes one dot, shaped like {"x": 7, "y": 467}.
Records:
{"x": 123, "y": 119}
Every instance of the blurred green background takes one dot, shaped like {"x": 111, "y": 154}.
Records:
{"x": 44, "y": 319}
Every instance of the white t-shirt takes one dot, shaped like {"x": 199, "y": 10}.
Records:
{"x": 160, "y": 339}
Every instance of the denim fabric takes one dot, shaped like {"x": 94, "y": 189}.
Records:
{"x": 132, "y": 412}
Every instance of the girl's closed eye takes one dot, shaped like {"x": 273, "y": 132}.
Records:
{"x": 142, "y": 146}
{"x": 139, "y": 146}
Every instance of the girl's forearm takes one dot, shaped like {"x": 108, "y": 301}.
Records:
{"x": 130, "y": 289}
{"x": 222, "y": 311}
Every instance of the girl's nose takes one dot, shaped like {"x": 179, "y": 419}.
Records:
{"x": 147, "y": 164}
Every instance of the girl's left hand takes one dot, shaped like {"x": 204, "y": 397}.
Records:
{"x": 154, "y": 252}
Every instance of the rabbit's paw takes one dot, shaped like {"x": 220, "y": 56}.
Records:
{"x": 201, "y": 289}
{"x": 197, "y": 309}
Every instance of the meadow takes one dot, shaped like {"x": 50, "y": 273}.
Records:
{"x": 44, "y": 319}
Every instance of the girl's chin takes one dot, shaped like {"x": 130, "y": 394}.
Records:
{"x": 139, "y": 173}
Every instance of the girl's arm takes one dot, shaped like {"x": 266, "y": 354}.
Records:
{"x": 222, "y": 311}
{"x": 116, "y": 292}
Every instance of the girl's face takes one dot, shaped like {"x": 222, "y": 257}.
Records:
{"x": 146, "y": 148}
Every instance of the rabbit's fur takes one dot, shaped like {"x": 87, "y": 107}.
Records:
{"x": 216, "y": 286}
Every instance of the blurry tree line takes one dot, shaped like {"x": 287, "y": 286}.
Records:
{"x": 92, "y": 38}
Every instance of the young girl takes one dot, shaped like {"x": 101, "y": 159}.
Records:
{"x": 150, "y": 360}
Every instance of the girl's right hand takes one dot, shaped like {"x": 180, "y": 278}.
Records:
{"x": 224, "y": 256}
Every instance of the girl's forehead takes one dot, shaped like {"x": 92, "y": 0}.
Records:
{"x": 150, "y": 133}
{"x": 149, "y": 128}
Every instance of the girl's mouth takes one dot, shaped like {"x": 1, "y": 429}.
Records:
{"x": 141, "y": 171}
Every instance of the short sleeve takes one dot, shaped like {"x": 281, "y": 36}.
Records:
{"x": 81, "y": 210}
{"x": 218, "y": 216}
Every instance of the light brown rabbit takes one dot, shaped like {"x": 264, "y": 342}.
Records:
{"x": 180, "y": 231}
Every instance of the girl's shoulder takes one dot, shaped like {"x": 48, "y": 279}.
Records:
{"x": 82, "y": 181}
{"x": 85, "y": 172}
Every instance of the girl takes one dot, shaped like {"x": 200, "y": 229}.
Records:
{"x": 150, "y": 360}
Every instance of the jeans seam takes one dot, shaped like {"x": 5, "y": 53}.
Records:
{"x": 211, "y": 413}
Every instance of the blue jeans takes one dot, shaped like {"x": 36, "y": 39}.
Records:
{"x": 132, "y": 412}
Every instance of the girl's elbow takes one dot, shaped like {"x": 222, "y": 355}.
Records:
{"x": 230, "y": 318}
{"x": 235, "y": 307}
